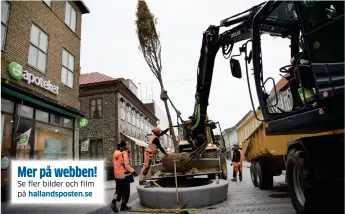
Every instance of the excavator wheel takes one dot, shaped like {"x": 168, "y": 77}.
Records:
{"x": 264, "y": 176}
{"x": 253, "y": 175}
{"x": 223, "y": 166}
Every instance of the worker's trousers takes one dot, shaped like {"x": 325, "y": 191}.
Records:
{"x": 122, "y": 191}
{"x": 237, "y": 168}
{"x": 148, "y": 158}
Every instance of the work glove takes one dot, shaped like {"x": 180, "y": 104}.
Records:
{"x": 165, "y": 131}
{"x": 135, "y": 174}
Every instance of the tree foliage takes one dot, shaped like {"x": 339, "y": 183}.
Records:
{"x": 148, "y": 38}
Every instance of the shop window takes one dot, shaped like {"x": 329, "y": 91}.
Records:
{"x": 38, "y": 48}
{"x": 42, "y": 116}
{"x": 5, "y": 8}
{"x": 55, "y": 119}
{"x": 7, "y": 105}
{"x": 96, "y": 148}
{"x": 53, "y": 142}
{"x": 67, "y": 72}
{"x": 68, "y": 123}
{"x": 96, "y": 108}
{"x": 25, "y": 111}
{"x": 48, "y": 3}
{"x": 70, "y": 16}
{"x": 24, "y": 138}
{"x": 6, "y": 130}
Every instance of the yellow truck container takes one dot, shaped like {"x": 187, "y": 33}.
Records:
{"x": 265, "y": 153}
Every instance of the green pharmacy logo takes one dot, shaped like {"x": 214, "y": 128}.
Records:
{"x": 83, "y": 122}
{"x": 15, "y": 70}
{"x": 23, "y": 139}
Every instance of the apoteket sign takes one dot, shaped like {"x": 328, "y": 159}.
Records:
{"x": 17, "y": 73}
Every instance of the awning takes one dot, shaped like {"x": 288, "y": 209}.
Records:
{"x": 138, "y": 142}
{"x": 38, "y": 102}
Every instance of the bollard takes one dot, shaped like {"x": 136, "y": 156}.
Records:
{"x": 217, "y": 179}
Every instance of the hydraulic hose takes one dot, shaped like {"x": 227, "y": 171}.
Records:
{"x": 197, "y": 117}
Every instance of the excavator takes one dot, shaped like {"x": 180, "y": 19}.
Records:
{"x": 314, "y": 165}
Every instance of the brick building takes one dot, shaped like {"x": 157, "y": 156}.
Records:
{"x": 115, "y": 113}
{"x": 40, "y": 55}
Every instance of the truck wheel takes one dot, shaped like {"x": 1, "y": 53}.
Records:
{"x": 264, "y": 176}
{"x": 299, "y": 181}
{"x": 253, "y": 175}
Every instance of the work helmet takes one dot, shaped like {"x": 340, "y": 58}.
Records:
{"x": 156, "y": 130}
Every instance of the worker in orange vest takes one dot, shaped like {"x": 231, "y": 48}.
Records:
{"x": 122, "y": 172}
{"x": 237, "y": 159}
{"x": 151, "y": 150}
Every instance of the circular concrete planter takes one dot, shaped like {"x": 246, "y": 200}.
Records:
{"x": 194, "y": 197}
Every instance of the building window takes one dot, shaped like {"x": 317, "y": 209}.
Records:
{"x": 70, "y": 16}
{"x": 123, "y": 111}
{"x": 67, "y": 72}
{"x": 53, "y": 142}
{"x": 7, "y": 105}
{"x": 96, "y": 148}
{"x": 42, "y": 116}
{"x": 5, "y": 9}
{"x": 55, "y": 119}
{"x": 138, "y": 120}
{"x": 24, "y": 148}
{"x": 7, "y": 130}
{"x": 48, "y": 3}
{"x": 25, "y": 111}
{"x": 96, "y": 108}
{"x": 142, "y": 122}
{"x": 133, "y": 117}
{"x": 38, "y": 49}
{"x": 129, "y": 117}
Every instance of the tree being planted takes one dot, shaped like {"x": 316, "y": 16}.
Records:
{"x": 150, "y": 46}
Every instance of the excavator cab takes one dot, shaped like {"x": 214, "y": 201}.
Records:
{"x": 316, "y": 73}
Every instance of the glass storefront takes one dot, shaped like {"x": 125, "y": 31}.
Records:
{"x": 33, "y": 133}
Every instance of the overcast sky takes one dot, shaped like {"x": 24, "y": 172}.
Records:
{"x": 110, "y": 46}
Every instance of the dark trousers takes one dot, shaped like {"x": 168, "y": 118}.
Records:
{"x": 122, "y": 191}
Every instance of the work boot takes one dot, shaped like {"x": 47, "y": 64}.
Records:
{"x": 124, "y": 207}
{"x": 234, "y": 179}
{"x": 142, "y": 183}
{"x": 114, "y": 207}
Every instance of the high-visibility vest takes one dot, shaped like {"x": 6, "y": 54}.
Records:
{"x": 121, "y": 164}
{"x": 152, "y": 148}
{"x": 308, "y": 93}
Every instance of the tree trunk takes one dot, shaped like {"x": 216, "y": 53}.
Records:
{"x": 172, "y": 132}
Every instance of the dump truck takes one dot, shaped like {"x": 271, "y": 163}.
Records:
{"x": 265, "y": 152}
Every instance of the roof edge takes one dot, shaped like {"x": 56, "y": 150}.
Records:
{"x": 100, "y": 83}
{"x": 84, "y": 8}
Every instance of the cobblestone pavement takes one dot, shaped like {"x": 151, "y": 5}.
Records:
{"x": 243, "y": 198}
